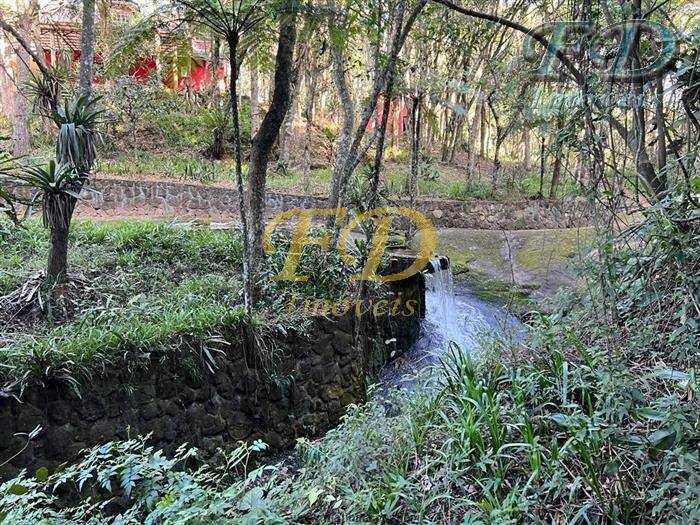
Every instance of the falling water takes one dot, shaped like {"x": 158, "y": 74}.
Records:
{"x": 453, "y": 315}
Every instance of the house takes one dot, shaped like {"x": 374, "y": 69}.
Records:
{"x": 60, "y": 36}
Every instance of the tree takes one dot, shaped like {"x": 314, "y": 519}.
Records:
{"x": 57, "y": 185}
{"x": 234, "y": 21}
{"x": 27, "y": 14}
{"x": 87, "y": 47}
{"x": 264, "y": 140}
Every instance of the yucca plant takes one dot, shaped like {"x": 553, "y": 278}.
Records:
{"x": 57, "y": 185}
{"x": 77, "y": 123}
{"x": 45, "y": 90}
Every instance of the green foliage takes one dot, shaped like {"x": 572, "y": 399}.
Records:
{"x": 145, "y": 115}
{"x": 77, "y": 121}
{"x": 57, "y": 187}
{"x": 146, "y": 289}
{"x": 46, "y": 90}
{"x": 155, "y": 488}
{"x": 592, "y": 419}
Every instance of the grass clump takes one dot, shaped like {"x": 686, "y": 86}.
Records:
{"x": 140, "y": 289}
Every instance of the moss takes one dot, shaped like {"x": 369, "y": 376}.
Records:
{"x": 496, "y": 291}
{"x": 481, "y": 247}
{"x": 543, "y": 249}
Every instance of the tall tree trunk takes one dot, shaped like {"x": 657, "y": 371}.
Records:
{"x": 556, "y": 169}
{"x": 661, "y": 149}
{"x": 254, "y": 98}
{"x": 483, "y": 125}
{"x": 240, "y": 189}
{"x": 20, "y": 117}
{"x": 309, "y": 105}
{"x": 57, "y": 264}
{"x": 87, "y": 48}
{"x": 355, "y": 152}
{"x": 7, "y": 101}
{"x": 543, "y": 158}
{"x": 473, "y": 131}
{"x": 527, "y": 150}
{"x": 288, "y": 123}
{"x": 265, "y": 139}
{"x": 643, "y": 164}
{"x": 347, "y": 108}
{"x": 28, "y": 14}
{"x": 558, "y": 152}
{"x": 417, "y": 100}
{"x": 214, "y": 95}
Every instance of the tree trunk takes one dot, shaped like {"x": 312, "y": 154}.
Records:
{"x": 309, "y": 105}
{"x": 643, "y": 164}
{"x": 482, "y": 132}
{"x": 344, "y": 170}
{"x": 267, "y": 135}
{"x": 20, "y": 117}
{"x": 415, "y": 154}
{"x": 543, "y": 158}
{"x": 473, "y": 131}
{"x": 29, "y": 11}
{"x": 661, "y": 149}
{"x": 558, "y": 152}
{"x": 240, "y": 190}
{"x": 7, "y": 101}
{"x": 254, "y": 99}
{"x": 57, "y": 264}
{"x": 556, "y": 169}
{"x": 527, "y": 150}
{"x": 87, "y": 48}
{"x": 288, "y": 123}
{"x": 348, "y": 121}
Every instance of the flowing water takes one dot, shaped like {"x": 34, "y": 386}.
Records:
{"x": 453, "y": 315}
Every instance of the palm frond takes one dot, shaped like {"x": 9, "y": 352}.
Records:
{"x": 77, "y": 121}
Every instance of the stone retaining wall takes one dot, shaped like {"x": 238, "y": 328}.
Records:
{"x": 180, "y": 401}
{"x": 174, "y": 199}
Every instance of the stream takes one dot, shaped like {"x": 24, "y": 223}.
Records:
{"x": 453, "y": 314}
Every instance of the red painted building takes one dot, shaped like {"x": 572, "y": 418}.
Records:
{"x": 60, "y": 42}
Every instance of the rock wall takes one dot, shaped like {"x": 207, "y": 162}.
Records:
{"x": 180, "y": 401}
{"x": 174, "y": 199}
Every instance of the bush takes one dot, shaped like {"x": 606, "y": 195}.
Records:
{"x": 146, "y": 115}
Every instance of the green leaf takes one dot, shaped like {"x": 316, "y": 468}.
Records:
{"x": 675, "y": 375}
{"x": 650, "y": 413}
{"x": 663, "y": 438}
{"x": 42, "y": 474}
{"x": 253, "y": 500}
{"x": 313, "y": 495}
{"x": 562, "y": 420}
{"x": 18, "y": 490}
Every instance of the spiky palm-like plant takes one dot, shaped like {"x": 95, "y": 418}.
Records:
{"x": 57, "y": 186}
{"x": 77, "y": 123}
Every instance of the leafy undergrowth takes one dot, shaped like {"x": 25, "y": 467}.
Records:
{"x": 138, "y": 288}
{"x": 593, "y": 420}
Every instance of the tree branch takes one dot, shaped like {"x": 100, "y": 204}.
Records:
{"x": 22, "y": 42}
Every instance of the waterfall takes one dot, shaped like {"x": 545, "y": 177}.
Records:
{"x": 455, "y": 319}
{"x": 453, "y": 314}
